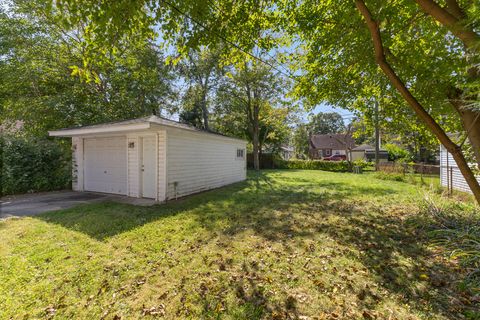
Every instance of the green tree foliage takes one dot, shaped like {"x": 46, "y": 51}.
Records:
{"x": 300, "y": 140}
{"x": 36, "y": 83}
{"x": 326, "y": 123}
{"x": 185, "y": 24}
{"x": 396, "y": 152}
{"x": 33, "y": 165}
{"x": 250, "y": 105}
{"x": 363, "y": 131}
{"x": 202, "y": 71}
{"x": 412, "y": 135}
{"x": 335, "y": 46}
{"x": 190, "y": 108}
{"x": 423, "y": 60}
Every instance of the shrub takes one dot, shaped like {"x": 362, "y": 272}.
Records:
{"x": 32, "y": 164}
{"x": 363, "y": 164}
{"x": 335, "y": 166}
{"x": 396, "y": 152}
{"x": 392, "y": 176}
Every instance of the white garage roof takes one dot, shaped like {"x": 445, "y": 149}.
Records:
{"x": 144, "y": 123}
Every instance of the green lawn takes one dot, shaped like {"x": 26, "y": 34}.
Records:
{"x": 283, "y": 245}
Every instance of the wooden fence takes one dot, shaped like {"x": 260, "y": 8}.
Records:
{"x": 409, "y": 168}
{"x": 266, "y": 161}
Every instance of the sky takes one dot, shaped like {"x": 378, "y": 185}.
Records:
{"x": 169, "y": 50}
{"x": 346, "y": 114}
{"x": 328, "y": 108}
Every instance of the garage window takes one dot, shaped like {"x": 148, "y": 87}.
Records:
{"x": 240, "y": 153}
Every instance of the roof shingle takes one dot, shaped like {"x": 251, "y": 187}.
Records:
{"x": 331, "y": 141}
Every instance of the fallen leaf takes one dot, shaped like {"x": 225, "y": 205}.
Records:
{"x": 154, "y": 311}
{"x": 423, "y": 276}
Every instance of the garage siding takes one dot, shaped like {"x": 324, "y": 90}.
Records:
{"x": 162, "y": 165}
{"x": 133, "y": 167}
{"x": 447, "y": 164}
{"x": 77, "y": 164}
{"x": 198, "y": 162}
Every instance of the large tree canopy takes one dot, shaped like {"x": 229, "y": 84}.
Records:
{"x": 202, "y": 71}
{"x": 415, "y": 57}
{"x": 251, "y": 104}
{"x": 326, "y": 122}
{"x": 40, "y": 84}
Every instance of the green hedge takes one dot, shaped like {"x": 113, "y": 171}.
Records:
{"x": 392, "y": 176}
{"x": 33, "y": 164}
{"x": 335, "y": 166}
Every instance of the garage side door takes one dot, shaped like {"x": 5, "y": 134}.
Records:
{"x": 105, "y": 161}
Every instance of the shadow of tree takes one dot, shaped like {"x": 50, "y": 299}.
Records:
{"x": 392, "y": 247}
{"x": 248, "y": 203}
{"x": 396, "y": 253}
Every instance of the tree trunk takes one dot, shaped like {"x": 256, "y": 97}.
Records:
{"x": 471, "y": 124}
{"x": 377, "y": 137}
{"x": 206, "y": 126}
{"x": 256, "y": 138}
{"x": 434, "y": 127}
{"x": 256, "y": 149}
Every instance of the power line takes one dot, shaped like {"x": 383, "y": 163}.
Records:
{"x": 346, "y": 116}
{"x": 228, "y": 41}
{"x": 251, "y": 38}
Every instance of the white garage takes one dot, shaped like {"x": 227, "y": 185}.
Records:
{"x": 450, "y": 175}
{"x": 153, "y": 157}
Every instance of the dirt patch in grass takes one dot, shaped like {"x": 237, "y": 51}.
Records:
{"x": 282, "y": 245}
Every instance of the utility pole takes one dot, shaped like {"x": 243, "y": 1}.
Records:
{"x": 377, "y": 136}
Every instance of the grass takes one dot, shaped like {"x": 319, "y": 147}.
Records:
{"x": 430, "y": 180}
{"x": 282, "y": 245}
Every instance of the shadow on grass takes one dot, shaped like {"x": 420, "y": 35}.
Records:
{"x": 392, "y": 248}
{"x": 395, "y": 251}
{"x": 245, "y": 204}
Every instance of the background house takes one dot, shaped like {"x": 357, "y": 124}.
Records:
{"x": 358, "y": 153}
{"x": 367, "y": 152}
{"x": 326, "y": 145}
{"x": 286, "y": 152}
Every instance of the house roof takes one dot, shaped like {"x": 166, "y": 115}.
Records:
{"x": 143, "y": 123}
{"x": 363, "y": 147}
{"x": 331, "y": 141}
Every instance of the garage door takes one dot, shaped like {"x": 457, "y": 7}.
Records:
{"x": 105, "y": 162}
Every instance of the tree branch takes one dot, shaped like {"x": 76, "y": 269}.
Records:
{"x": 469, "y": 37}
{"x": 422, "y": 114}
{"x": 454, "y": 8}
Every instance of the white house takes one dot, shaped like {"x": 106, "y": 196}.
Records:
{"x": 358, "y": 153}
{"x": 450, "y": 175}
{"x": 153, "y": 157}
{"x": 367, "y": 153}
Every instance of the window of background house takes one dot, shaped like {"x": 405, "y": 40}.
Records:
{"x": 327, "y": 152}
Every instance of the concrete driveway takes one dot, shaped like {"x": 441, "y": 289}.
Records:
{"x": 32, "y": 204}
